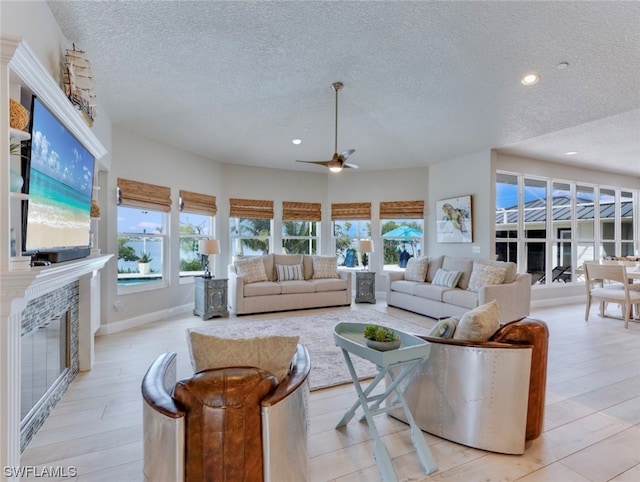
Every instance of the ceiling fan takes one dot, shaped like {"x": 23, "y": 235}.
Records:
{"x": 338, "y": 162}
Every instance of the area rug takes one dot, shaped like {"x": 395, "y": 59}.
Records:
{"x": 328, "y": 367}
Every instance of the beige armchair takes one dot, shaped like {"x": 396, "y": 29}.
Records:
{"x": 235, "y": 423}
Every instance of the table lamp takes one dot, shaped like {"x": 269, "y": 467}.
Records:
{"x": 365, "y": 246}
{"x": 207, "y": 247}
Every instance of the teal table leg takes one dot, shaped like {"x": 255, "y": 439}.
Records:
{"x": 422, "y": 449}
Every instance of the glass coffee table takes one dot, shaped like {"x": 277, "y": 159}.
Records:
{"x": 396, "y": 364}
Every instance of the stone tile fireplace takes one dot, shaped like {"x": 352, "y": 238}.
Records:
{"x": 49, "y": 355}
{"x": 48, "y": 318}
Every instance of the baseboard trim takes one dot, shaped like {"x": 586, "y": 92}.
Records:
{"x": 122, "y": 325}
{"x": 550, "y": 302}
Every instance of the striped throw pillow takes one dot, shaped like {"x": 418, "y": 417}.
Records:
{"x": 446, "y": 278}
{"x": 289, "y": 272}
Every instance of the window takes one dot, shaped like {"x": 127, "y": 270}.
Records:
{"x": 250, "y": 226}
{"x": 402, "y": 225}
{"x": 197, "y": 213}
{"x": 300, "y": 227}
{"x": 142, "y": 233}
{"x": 351, "y": 222}
{"x": 558, "y": 225}
{"x": 193, "y": 228}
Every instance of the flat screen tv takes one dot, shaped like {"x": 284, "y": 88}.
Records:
{"x": 58, "y": 179}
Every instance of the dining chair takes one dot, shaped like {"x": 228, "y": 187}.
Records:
{"x": 609, "y": 283}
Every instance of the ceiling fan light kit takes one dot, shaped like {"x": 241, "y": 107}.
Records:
{"x": 338, "y": 162}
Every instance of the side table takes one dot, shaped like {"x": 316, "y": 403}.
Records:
{"x": 395, "y": 364}
{"x": 365, "y": 287}
{"x": 211, "y": 297}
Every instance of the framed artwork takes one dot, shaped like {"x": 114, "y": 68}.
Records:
{"x": 454, "y": 223}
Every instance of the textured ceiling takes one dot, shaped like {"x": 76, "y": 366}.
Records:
{"x": 424, "y": 81}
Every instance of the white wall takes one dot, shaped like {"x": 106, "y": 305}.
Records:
{"x": 536, "y": 167}
{"x": 467, "y": 175}
{"x": 144, "y": 159}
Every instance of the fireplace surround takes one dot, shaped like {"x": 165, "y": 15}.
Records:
{"x": 73, "y": 286}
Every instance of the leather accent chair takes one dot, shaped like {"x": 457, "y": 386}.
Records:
{"x": 227, "y": 424}
{"x": 487, "y": 395}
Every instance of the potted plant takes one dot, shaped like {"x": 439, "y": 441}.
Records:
{"x": 143, "y": 263}
{"x": 381, "y": 338}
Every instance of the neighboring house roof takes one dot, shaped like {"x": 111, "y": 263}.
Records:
{"x": 535, "y": 211}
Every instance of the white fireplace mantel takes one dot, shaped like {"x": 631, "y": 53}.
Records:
{"x": 17, "y": 289}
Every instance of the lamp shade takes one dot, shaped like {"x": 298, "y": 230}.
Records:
{"x": 208, "y": 246}
{"x": 365, "y": 245}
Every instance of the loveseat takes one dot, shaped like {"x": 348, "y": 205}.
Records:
{"x": 461, "y": 285}
{"x": 279, "y": 282}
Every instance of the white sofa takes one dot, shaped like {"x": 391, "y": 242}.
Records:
{"x": 513, "y": 294}
{"x": 273, "y": 294}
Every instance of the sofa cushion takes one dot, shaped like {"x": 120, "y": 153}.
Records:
{"x": 449, "y": 279}
{"x": 479, "y": 324}
{"x": 511, "y": 269}
{"x": 444, "y": 328}
{"x": 272, "y": 353}
{"x": 329, "y": 284}
{"x": 307, "y": 266}
{"x": 284, "y": 260}
{"x": 262, "y": 288}
{"x": 485, "y": 274}
{"x": 252, "y": 269}
{"x": 289, "y": 272}
{"x": 464, "y": 265}
{"x": 325, "y": 267}
{"x": 434, "y": 265}
{"x": 403, "y": 286}
{"x": 296, "y": 286}
{"x": 416, "y": 269}
{"x": 430, "y": 291}
{"x": 459, "y": 297}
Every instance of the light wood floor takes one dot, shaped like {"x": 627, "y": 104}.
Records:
{"x": 592, "y": 419}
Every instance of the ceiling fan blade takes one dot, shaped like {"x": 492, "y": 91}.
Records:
{"x": 322, "y": 163}
{"x": 344, "y": 155}
{"x": 349, "y": 165}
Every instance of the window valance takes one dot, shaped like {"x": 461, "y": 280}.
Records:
{"x": 340, "y": 211}
{"x": 298, "y": 211}
{"x": 250, "y": 208}
{"x": 143, "y": 195}
{"x": 402, "y": 210}
{"x": 193, "y": 202}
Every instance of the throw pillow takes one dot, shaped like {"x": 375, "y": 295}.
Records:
{"x": 479, "y": 324}
{"x": 444, "y": 328}
{"x": 446, "y": 278}
{"x": 271, "y": 353}
{"x": 251, "y": 269}
{"x": 325, "y": 267}
{"x": 289, "y": 272}
{"x": 485, "y": 274}
{"x": 416, "y": 269}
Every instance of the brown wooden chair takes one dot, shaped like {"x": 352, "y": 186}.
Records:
{"x": 608, "y": 283}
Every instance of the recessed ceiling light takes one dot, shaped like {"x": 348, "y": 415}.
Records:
{"x": 297, "y": 141}
{"x": 571, "y": 153}
{"x": 530, "y": 79}
{"x": 562, "y": 65}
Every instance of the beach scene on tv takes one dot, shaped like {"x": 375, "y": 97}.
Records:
{"x": 60, "y": 185}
